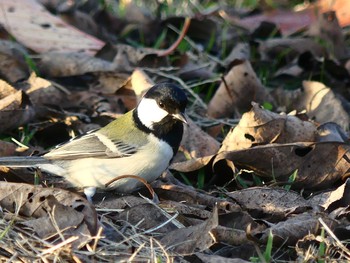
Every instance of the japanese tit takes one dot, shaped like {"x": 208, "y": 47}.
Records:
{"x": 141, "y": 142}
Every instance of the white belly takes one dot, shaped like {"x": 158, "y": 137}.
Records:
{"x": 94, "y": 172}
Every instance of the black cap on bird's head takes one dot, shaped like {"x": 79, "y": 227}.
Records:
{"x": 170, "y": 98}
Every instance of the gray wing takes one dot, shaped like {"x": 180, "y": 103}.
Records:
{"x": 91, "y": 145}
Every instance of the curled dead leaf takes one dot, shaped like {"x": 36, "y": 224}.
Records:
{"x": 322, "y": 104}
{"x": 15, "y": 110}
{"x": 51, "y": 208}
{"x": 260, "y": 126}
{"x": 273, "y": 204}
{"x": 50, "y": 64}
{"x": 238, "y": 89}
{"x": 13, "y": 66}
{"x": 295, "y": 228}
{"x": 197, "y": 237}
{"x": 318, "y": 165}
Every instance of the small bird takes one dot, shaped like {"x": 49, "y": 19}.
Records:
{"x": 141, "y": 142}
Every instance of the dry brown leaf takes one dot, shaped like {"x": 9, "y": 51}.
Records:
{"x": 15, "y": 110}
{"x": 111, "y": 202}
{"x": 260, "y": 126}
{"x": 191, "y": 210}
{"x": 322, "y": 104}
{"x": 231, "y": 236}
{"x": 28, "y": 21}
{"x": 331, "y": 200}
{"x": 108, "y": 82}
{"x": 196, "y": 149}
{"x": 185, "y": 241}
{"x": 192, "y": 164}
{"x": 6, "y": 89}
{"x": 42, "y": 91}
{"x": 191, "y": 196}
{"x": 60, "y": 219}
{"x": 139, "y": 82}
{"x": 29, "y": 200}
{"x": 240, "y": 87}
{"x": 328, "y": 29}
{"x": 290, "y": 231}
{"x": 331, "y": 132}
{"x": 75, "y": 64}
{"x": 13, "y": 66}
{"x": 146, "y": 216}
{"x": 127, "y": 57}
{"x": 318, "y": 165}
{"x": 273, "y": 204}
{"x": 7, "y": 148}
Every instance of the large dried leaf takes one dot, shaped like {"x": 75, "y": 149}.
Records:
{"x": 28, "y": 21}
{"x": 6, "y": 89}
{"x": 322, "y": 104}
{"x": 272, "y": 203}
{"x": 191, "y": 195}
{"x": 15, "y": 110}
{"x": 60, "y": 218}
{"x": 155, "y": 216}
{"x": 319, "y": 165}
{"x": 185, "y": 241}
{"x": 240, "y": 88}
{"x": 30, "y": 199}
{"x": 196, "y": 149}
{"x": 42, "y": 91}
{"x": 290, "y": 231}
{"x": 13, "y": 66}
{"x": 331, "y": 200}
{"x": 75, "y": 64}
{"x": 259, "y": 126}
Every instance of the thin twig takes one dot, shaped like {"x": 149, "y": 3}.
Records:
{"x": 172, "y": 48}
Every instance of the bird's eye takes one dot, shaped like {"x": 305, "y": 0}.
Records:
{"x": 161, "y": 104}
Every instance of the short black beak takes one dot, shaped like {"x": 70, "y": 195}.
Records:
{"x": 180, "y": 116}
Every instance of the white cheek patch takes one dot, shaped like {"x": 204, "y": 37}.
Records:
{"x": 149, "y": 112}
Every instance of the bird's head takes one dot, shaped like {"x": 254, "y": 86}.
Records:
{"x": 163, "y": 104}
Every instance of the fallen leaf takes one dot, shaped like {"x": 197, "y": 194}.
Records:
{"x": 6, "y": 89}
{"x": 185, "y": 241}
{"x": 147, "y": 216}
{"x": 260, "y": 126}
{"x": 290, "y": 231}
{"x": 334, "y": 199}
{"x": 15, "y": 110}
{"x": 331, "y": 132}
{"x": 40, "y": 203}
{"x": 29, "y": 21}
{"x": 42, "y": 91}
{"x": 322, "y": 104}
{"x": 196, "y": 149}
{"x": 191, "y": 196}
{"x": 75, "y": 64}
{"x": 318, "y": 165}
{"x": 13, "y": 65}
{"x": 240, "y": 87}
{"x": 273, "y": 204}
